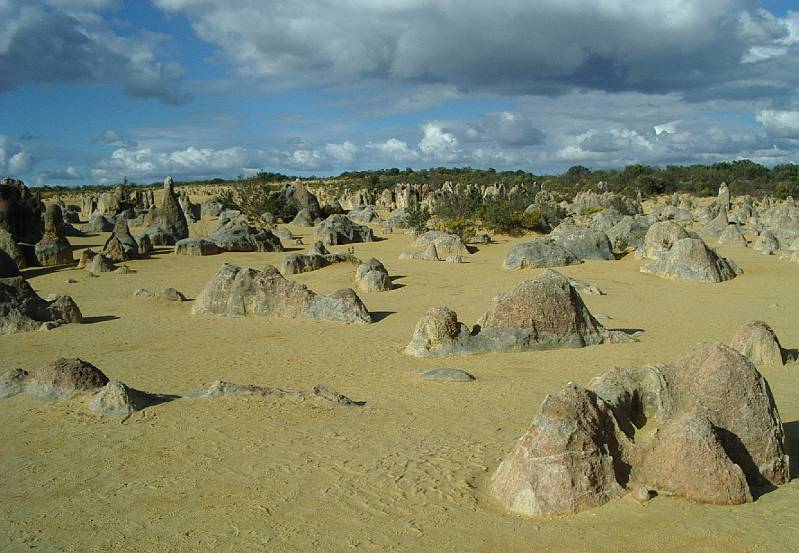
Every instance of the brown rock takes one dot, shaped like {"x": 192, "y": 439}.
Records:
{"x": 758, "y": 342}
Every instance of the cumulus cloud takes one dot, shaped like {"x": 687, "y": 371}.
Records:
{"x": 190, "y": 162}
{"x": 783, "y": 124}
{"x": 344, "y": 153}
{"x": 46, "y": 42}
{"x": 439, "y": 145}
{"x": 506, "y": 46}
{"x": 395, "y": 151}
{"x": 15, "y": 159}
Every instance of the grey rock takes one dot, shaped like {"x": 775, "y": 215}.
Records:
{"x": 447, "y": 375}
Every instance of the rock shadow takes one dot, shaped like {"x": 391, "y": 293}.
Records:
{"x": 98, "y": 319}
{"x": 378, "y": 316}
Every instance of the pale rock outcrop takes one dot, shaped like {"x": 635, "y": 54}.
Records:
{"x": 196, "y": 246}
{"x": 235, "y": 235}
{"x": 166, "y": 224}
{"x": 429, "y": 254}
{"x": 704, "y": 427}
{"x": 121, "y": 246}
{"x": 733, "y": 235}
{"x": 584, "y": 243}
{"x": 317, "y": 257}
{"x": 22, "y": 310}
{"x": 542, "y": 313}
{"x": 373, "y": 276}
{"x": 54, "y": 248}
{"x": 758, "y": 342}
{"x": 539, "y": 252}
{"x": 692, "y": 259}
{"x": 61, "y": 379}
{"x": 237, "y": 292}
{"x": 446, "y": 244}
{"x": 338, "y": 229}
{"x": 766, "y": 243}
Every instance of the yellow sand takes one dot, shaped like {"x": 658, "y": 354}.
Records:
{"x": 407, "y": 472}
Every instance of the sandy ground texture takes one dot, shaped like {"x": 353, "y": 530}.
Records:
{"x": 408, "y": 471}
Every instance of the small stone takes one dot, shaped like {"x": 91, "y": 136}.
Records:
{"x": 447, "y": 375}
{"x": 70, "y": 281}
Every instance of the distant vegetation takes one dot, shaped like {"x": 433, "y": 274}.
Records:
{"x": 743, "y": 177}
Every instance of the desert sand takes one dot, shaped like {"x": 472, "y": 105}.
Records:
{"x": 408, "y": 471}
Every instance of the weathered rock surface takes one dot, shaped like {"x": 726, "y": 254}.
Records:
{"x": 733, "y": 235}
{"x": 373, "y": 276}
{"x": 196, "y": 246}
{"x": 766, "y": 243}
{"x": 22, "y": 310}
{"x": 62, "y": 379}
{"x": 237, "y": 292}
{"x": 540, "y": 252}
{"x": 166, "y": 224}
{"x": 543, "y": 313}
{"x": 54, "y": 248}
{"x": 121, "y": 246}
{"x": 101, "y": 264}
{"x": 659, "y": 239}
{"x": 319, "y": 394}
{"x": 583, "y": 243}
{"x": 430, "y": 254}
{"x": 338, "y": 229}
{"x": 447, "y": 375}
{"x": 165, "y": 294}
{"x": 235, "y": 235}
{"x": 758, "y": 342}
{"x": 446, "y": 244}
{"x": 568, "y": 460}
{"x": 692, "y": 259}
{"x": 317, "y": 257}
{"x": 116, "y": 399}
{"x": 704, "y": 427}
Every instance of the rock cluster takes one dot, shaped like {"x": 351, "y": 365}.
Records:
{"x": 339, "y": 229}
{"x": 54, "y": 248}
{"x": 236, "y": 292}
{"x": 675, "y": 254}
{"x": 542, "y": 313}
{"x": 22, "y": 310}
{"x": 317, "y": 257}
{"x": 166, "y": 224}
{"x": 704, "y": 427}
{"x": 372, "y": 276}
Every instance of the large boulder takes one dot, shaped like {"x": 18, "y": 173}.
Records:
{"x": 692, "y": 259}
{"x": 196, "y": 246}
{"x": 766, "y": 243}
{"x": 659, "y": 239}
{"x": 235, "y": 235}
{"x": 446, "y": 244}
{"x": 121, "y": 246}
{"x": 584, "y": 243}
{"x": 629, "y": 233}
{"x": 314, "y": 259}
{"x": 704, "y": 427}
{"x": 22, "y": 310}
{"x": 542, "y": 313}
{"x": 99, "y": 222}
{"x": 338, "y": 229}
{"x": 540, "y": 252}
{"x": 54, "y": 248}
{"x": 237, "y": 292}
{"x": 733, "y": 235}
{"x": 373, "y": 276}
{"x": 758, "y": 342}
{"x": 166, "y": 224}
{"x": 566, "y": 462}
{"x": 20, "y": 212}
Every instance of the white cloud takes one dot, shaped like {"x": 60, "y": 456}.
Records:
{"x": 438, "y": 145}
{"x": 396, "y": 150}
{"x": 190, "y": 162}
{"x": 783, "y": 124}
{"x": 343, "y": 153}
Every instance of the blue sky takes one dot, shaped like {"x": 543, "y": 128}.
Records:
{"x": 92, "y": 91}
